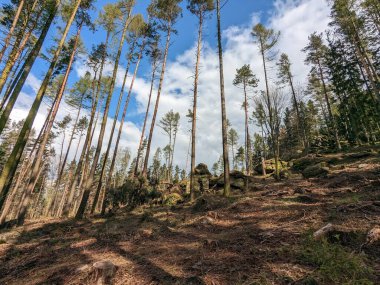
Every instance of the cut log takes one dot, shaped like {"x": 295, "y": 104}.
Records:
{"x": 322, "y": 232}
{"x": 104, "y": 272}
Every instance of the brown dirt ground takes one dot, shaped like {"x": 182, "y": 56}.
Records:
{"x": 250, "y": 238}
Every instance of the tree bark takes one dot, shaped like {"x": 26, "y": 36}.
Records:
{"x": 299, "y": 121}
{"x": 332, "y": 120}
{"x": 84, "y": 157}
{"x": 26, "y": 70}
{"x": 62, "y": 169}
{"x": 147, "y": 153}
{"x": 195, "y": 98}
{"x": 11, "y": 30}
{"x": 247, "y": 139}
{"x": 10, "y": 167}
{"x": 154, "y": 68}
{"x": 36, "y": 168}
{"x": 227, "y": 183}
{"x": 113, "y": 161}
{"x": 100, "y": 183}
{"x": 88, "y": 182}
{"x": 17, "y": 50}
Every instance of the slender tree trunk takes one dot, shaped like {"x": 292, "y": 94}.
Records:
{"x": 113, "y": 161}
{"x": 37, "y": 165}
{"x": 168, "y": 174}
{"x": 84, "y": 157}
{"x": 263, "y": 156}
{"x": 362, "y": 50}
{"x": 270, "y": 110}
{"x": 247, "y": 139}
{"x": 300, "y": 132}
{"x": 194, "y": 119}
{"x": 10, "y": 167}
{"x": 23, "y": 171}
{"x": 26, "y": 69}
{"x": 14, "y": 24}
{"x": 62, "y": 169}
{"x": 63, "y": 198}
{"x": 100, "y": 183}
{"x": 332, "y": 120}
{"x": 25, "y": 167}
{"x": 227, "y": 183}
{"x": 14, "y": 77}
{"x": 33, "y": 112}
{"x": 17, "y": 50}
{"x": 61, "y": 154}
{"x": 147, "y": 153}
{"x": 233, "y": 156}
{"x": 139, "y": 151}
{"x": 77, "y": 148}
{"x": 188, "y": 153}
{"x": 172, "y": 152}
{"x": 90, "y": 178}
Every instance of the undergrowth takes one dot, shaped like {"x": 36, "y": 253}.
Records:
{"x": 335, "y": 264}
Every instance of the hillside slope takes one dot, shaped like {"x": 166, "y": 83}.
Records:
{"x": 259, "y": 237}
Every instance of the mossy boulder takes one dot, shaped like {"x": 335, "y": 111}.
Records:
{"x": 172, "y": 199}
{"x": 270, "y": 166}
{"x": 285, "y": 174}
{"x": 305, "y": 162}
{"x": 202, "y": 169}
{"x": 238, "y": 183}
{"x": 237, "y": 178}
{"x": 208, "y": 202}
{"x": 318, "y": 170}
{"x": 236, "y": 174}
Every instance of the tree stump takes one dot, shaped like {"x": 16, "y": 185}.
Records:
{"x": 322, "y": 232}
{"x": 104, "y": 272}
{"x": 373, "y": 235}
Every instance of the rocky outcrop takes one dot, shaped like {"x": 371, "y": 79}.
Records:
{"x": 270, "y": 166}
{"x": 202, "y": 178}
{"x": 318, "y": 170}
{"x": 172, "y": 199}
{"x": 238, "y": 180}
{"x": 202, "y": 170}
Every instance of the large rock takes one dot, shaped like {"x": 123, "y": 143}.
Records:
{"x": 285, "y": 174}
{"x": 270, "y": 166}
{"x": 318, "y": 170}
{"x": 172, "y": 199}
{"x": 236, "y": 174}
{"x": 237, "y": 178}
{"x": 202, "y": 169}
{"x": 304, "y": 162}
{"x": 104, "y": 272}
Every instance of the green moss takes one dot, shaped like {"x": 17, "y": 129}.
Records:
{"x": 335, "y": 264}
{"x": 172, "y": 199}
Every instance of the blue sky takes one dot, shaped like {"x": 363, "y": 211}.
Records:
{"x": 295, "y": 19}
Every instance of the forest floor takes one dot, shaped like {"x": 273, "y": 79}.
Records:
{"x": 263, "y": 236}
